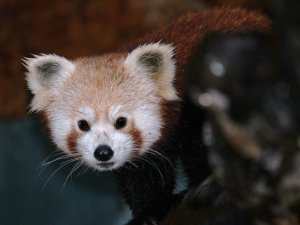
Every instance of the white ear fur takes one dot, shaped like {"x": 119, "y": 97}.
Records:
{"x": 45, "y": 74}
{"x": 155, "y": 61}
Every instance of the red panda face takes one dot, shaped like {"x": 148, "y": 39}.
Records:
{"x": 104, "y": 110}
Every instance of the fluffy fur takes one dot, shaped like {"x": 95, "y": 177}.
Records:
{"x": 141, "y": 83}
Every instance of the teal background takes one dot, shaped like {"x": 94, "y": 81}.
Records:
{"x": 88, "y": 199}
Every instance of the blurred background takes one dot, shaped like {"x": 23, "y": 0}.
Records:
{"x": 31, "y": 194}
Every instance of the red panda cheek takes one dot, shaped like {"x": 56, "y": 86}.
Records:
{"x": 72, "y": 141}
{"x": 137, "y": 138}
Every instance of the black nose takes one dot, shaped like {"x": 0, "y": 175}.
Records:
{"x": 103, "y": 153}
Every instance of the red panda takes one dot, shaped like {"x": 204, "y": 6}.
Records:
{"x": 126, "y": 111}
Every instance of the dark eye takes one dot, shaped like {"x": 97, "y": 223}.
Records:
{"x": 121, "y": 122}
{"x": 83, "y": 125}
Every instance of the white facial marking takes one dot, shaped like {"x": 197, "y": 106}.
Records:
{"x": 113, "y": 112}
{"x": 105, "y": 134}
{"x": 60, "y": 126}
{"x": 87, "y": 113}
{"x": 148, "y": 121}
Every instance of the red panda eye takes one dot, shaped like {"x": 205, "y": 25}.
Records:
{"x": 120, "y": 122}
{"x": 83, "y": 125}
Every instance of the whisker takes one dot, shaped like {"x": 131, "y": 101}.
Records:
{"x": 125, "y": 166}
{"x": 153, "y": 153}
{"x": 166, "y": 158}
{"x": 133, "y": 164}
{"x": 51, "y": 155}
{"x": 54, "y": 160}
{"x": 155, "y": 166}
{"x": 43, "y": 167}
{"x": 76, "y": 166}
{"x": 163, "y": 156}
{"x": 83, "y": 170}
{"x": 60, "y": 167}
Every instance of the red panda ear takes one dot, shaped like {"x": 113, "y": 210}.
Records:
{"x": 45, "y": 74}
{"x": 156, "y": 62}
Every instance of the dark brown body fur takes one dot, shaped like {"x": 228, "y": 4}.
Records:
{"x": 147, "y": 194}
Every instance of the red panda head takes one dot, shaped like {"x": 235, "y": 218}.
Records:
{"x": 106, "y": 110}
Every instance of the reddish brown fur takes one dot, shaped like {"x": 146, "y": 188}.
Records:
{"x": 187, "y": 32}
{"x": 186, "y": 35}
{"x": 170, "y": 111}
{"x": 72, "y": 141}
{"x": 137, "y": 137}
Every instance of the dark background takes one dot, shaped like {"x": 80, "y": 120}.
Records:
{"x": 72, "y": 29}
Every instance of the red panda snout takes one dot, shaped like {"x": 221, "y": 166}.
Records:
{"x": 103, "y": 153}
